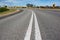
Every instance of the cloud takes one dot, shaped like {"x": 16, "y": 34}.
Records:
{"x": 2, "y": 4}
{"x": 24, "y": 2}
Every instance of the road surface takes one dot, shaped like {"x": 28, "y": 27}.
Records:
{"x": 31, "y": 24}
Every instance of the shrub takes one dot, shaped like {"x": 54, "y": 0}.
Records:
{"x": 2, "y": 9}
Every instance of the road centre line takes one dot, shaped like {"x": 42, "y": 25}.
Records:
{"x": 29, "y": 30}
{"x": 37, "y": 31}
{"x": 28, "y": 33}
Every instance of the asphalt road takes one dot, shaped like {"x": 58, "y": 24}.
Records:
{"x": 31, "y": 24}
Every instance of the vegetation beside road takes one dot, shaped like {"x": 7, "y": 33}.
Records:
{"x": 2, "y": 9}
{"x": 7, "y": 12}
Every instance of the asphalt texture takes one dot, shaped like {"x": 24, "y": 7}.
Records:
{"x": 14, "y": 27}
{"x": 49, "y": 23}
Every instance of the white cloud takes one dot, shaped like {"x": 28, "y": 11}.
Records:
{"x": 2, "y": 4}
{"x": 12, "y": 1}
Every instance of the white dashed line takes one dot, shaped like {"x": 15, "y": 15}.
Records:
{"x": 28, "y": 33}
{"x": 37, "y": 31}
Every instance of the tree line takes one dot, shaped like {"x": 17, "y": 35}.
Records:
{"x": 53, "y": 6}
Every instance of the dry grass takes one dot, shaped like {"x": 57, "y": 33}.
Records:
{"x": 48, "y": 9}
{"x": 7, "y": 12}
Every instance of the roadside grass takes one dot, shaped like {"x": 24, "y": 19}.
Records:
{"x": 7, "y": 12}
{"x": 49, "y": 8}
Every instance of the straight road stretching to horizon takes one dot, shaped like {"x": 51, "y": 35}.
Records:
{"x": 31, "y": 24}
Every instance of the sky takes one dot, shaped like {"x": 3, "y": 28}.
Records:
{"x": 34, "y": 2}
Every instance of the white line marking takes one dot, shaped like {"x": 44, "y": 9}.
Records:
{"x": 37, "y": 31}
{"x": 28, "y": 33}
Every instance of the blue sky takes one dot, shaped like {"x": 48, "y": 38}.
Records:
{"x": 24, "y": 2}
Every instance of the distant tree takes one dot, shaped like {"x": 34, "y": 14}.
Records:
{"x": 42, "y": 7}
{"x": 57, "y": 7}
{"x": 37, "y": 7}
{"x": 29, "y": 5}
{"x": 47, "y": 6}
{"x": 5, "y": 6}
{"x": 53, "y": 5}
